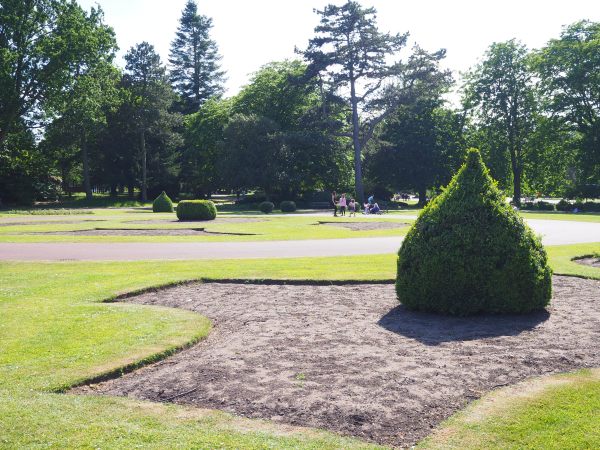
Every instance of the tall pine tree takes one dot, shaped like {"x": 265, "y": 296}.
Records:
{"x": 195, "y": 71}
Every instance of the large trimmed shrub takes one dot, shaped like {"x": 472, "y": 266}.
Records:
{"x": 162, "y": 203}
{"x": 470, "y": 252}
{"x": 266, "y": 207}
{"x": 287, "y": 206}
{"x": 196, "y": 210}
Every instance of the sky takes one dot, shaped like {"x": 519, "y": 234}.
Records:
{"x": 251, "y": 33}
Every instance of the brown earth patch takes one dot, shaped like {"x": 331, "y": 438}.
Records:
{"x": 218, "y": 220}
{"x": 351, "y": 360}
{"x": 48, "y": 222}
{"x": 593, "y": 261}
{"x": 140, "y": 232}
{"x": 366, "y": 226}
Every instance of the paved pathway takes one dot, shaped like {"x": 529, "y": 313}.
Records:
{"x": 554, "y": 232}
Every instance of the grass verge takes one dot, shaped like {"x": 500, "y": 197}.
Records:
{"x": 56, "y": 331}
{"x": 553, "y": 412}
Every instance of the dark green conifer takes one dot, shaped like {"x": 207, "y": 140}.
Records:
{"x": 194, "y": 59}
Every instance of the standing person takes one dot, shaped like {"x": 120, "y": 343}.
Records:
{"x": 371, "y": 200}
{"x": 333, "y": 201}
{"x": 352, "y": 208}
{"x": 343, "y": 205}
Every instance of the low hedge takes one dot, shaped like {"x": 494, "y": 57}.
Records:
{"x": 162, "y": 203}
{"x": 196, "y": 210}
{"x": 469, "y": 252}
{"x": 538, "y": 206}
{"x": 266, "y": 207}
{"x": 287, "y": 206}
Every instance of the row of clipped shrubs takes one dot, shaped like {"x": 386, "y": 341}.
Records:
{"x": 186, "y": 209}
{"x": 563, "y": 205}
{"x": 205, "y": 209}
{"x": 285, "y": 206}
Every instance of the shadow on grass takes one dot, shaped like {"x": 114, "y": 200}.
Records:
{"x": 435, "y": 329}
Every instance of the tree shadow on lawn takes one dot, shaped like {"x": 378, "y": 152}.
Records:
{"x": 434, "y": 329}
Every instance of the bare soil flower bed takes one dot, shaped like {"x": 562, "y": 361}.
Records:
{"x": 348, "y": 358}
{"x": 366, "y": 226}
{"x": 218, "y": 220}
{"x": 593, "y": 261}
{"x": 140, "y": 232}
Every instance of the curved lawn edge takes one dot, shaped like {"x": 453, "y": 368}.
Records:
{"x": 529, "y": 414}
{"x": 138, "y": 363}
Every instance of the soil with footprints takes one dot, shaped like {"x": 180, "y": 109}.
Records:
{"x": 350, "y": 359}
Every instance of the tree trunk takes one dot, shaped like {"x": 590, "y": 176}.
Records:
{"x": 517, "y": 186}
{"x": 358, "y": 184}
{"x": 130, "y": 190}
{"x": 422, "y": 196}
{"x": 144, "y": 166}
{"x": 113, "y": 191}
{"x": 516, "y": 170}
{"x": 87, "y": 185}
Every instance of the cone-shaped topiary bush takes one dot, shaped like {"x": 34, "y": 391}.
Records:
{"x": 162, "y": 203}
{"x": 470, "y": 252}
{"x": 196, "y": 210}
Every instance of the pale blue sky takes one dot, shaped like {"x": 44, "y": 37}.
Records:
{"x": 251, "y": 33}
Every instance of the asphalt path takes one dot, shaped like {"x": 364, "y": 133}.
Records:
{"x": 553, "y": 232}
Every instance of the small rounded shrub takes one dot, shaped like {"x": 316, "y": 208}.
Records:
{"x": 287, "y": 206}
{"x": 564, "y": 205}
{"x": 162, "y": 203}
{"x": 469, "y": 252}
{"x": 266, "y": 207}
{"x": 196, "y": 210}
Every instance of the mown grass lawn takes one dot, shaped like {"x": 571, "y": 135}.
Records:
{"x": 258, "y": 228}
{"x": 56, "y": 331}
{"x": 557, "y": 412}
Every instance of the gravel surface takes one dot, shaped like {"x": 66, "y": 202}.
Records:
{"x": 350, "y": 359}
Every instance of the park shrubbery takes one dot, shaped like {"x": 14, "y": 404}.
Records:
{"x": 196, "y": 210}
{"x": 287, "y": 206}
{"x": 162, "y": 203}
{"x": 470, "y": 252}
{"x": 266, "y": 207}
{"x": 539, "y": 206}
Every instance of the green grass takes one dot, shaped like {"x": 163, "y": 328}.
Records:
{"x": 558, "y": 215}
{"x": 559, "y": 412}
{"x": 291, "y": 227}
{"x": 56, "y": 331}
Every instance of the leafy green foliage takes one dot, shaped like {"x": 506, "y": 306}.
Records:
{"x": 266, "y": 207}
{"x": 196, "y": 210}
{"x": 568, "y": 68}
{"x": 419, "y": 149}
{"x": 470, "y": 252}
{"x": 287, "y": 206}
{"x": 162, "y": 203}
{"x": 500, "y": 91}
{"x": 150, "y": 98}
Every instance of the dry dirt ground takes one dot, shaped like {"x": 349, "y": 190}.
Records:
{"x": 348, "y": 358}
{"x": 138, "y": 232}
{"x": 46, "y": 222}
{"x": 218, "y": 220}
{"x": 366, "y": 226}
{"x": 593, "y": 261}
